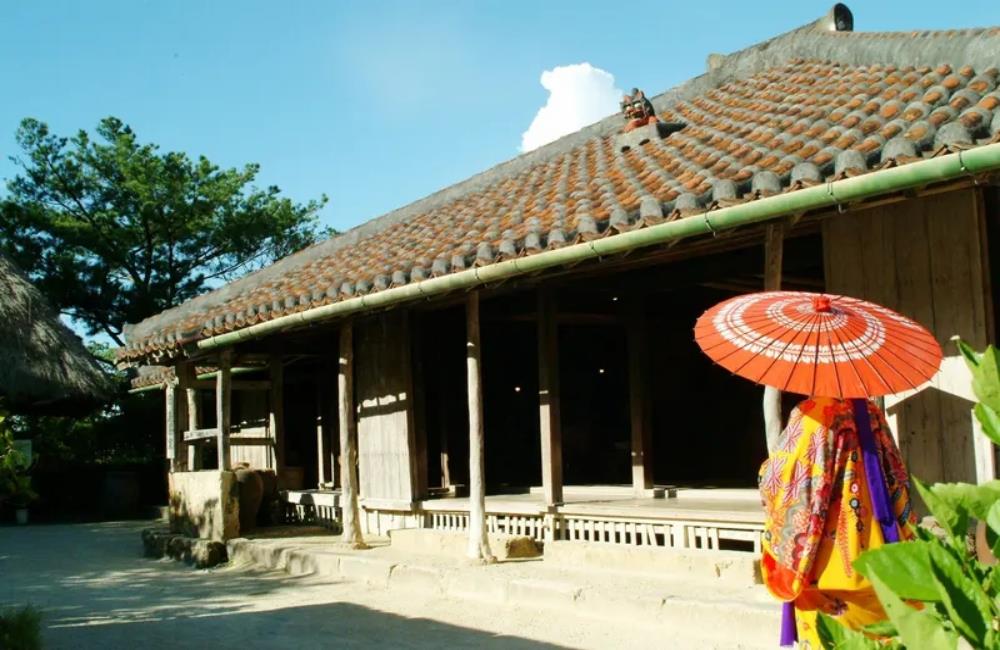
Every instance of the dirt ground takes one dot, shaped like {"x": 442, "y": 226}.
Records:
{"x": 96, "y": 590}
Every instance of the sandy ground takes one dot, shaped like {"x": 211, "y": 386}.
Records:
{"x": 96, "y": 590}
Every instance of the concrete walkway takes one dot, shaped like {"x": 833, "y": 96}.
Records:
{"x": 97, "y": 591}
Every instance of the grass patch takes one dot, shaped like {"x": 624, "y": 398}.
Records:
{"x": 20, "y": 628}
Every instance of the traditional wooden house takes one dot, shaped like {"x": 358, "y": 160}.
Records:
{"x": 823, "y": 159}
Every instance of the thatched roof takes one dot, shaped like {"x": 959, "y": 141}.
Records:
{"x": 44, "y": 367}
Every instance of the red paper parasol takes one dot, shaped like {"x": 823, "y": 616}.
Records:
{"x": 830, "y": 346}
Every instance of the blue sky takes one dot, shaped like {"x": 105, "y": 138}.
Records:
{"x": 375, "y": 104}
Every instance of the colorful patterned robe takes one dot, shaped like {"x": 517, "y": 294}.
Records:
{"x": 819, "y": 516}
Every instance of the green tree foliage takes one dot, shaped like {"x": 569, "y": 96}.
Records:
{"x": 937, "y": 592}
{"x": 15, "y": 480}
{"x": 113, "y": 230}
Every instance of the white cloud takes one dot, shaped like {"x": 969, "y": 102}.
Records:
{"x": 579, "y": 95}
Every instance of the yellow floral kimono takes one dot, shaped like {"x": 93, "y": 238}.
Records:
{"x": 819, "y": 516}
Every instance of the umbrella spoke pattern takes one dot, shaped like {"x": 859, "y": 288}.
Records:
{"x": 816, "y": 344}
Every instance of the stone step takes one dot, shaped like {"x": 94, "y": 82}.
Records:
{"x": 730, "y": 568}
{"x": 719, "y": 615}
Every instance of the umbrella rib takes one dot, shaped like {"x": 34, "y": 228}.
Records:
{"x": 814, "y": 320}
{"x": 898, "y": 358}
{"x": 836, "y": 373}
{"x": 777, "y": 328}
{"x": 864, "y": 358}
{"x": 759, "y": 335}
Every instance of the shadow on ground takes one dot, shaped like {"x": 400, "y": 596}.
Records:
{"x": 96, "y": 590}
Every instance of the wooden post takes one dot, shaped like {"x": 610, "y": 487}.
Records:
{"x": 171, "y": 428}
{"x": 548, "y": 399}
{"x": 185, "y": 379}
{"x": 479, "y": 544}
{"x": 223, "y": 401}
{"x": 351, "y": 516}
{"x": 639, "y": 411}
{"x": 445, "y": 425}
{"x": 320, "y": 427}
{"x": 276, "y": 415}
{"x": 774, "y": 235}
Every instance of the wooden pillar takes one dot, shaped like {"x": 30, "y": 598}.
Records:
{"x": 276, "y": 415}
{"x": 445, "y": 429}
{"x": 548, "y": 399}
{"x": 351, "y": 516}
{"x": 639, "y": 407}
{"x": 774, "y": 235}
{"x": 223, "y": 402}
{"x": 186, "y": 378}
{"x": 172, "y": 427}
{"x": 479, "y": 545}
{"x": 320, "y": 438}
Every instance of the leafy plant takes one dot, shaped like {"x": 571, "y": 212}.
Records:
{"x": 937, "y": 593}
{"x": 21, "y": 628}
{"x": 15, "y": 479}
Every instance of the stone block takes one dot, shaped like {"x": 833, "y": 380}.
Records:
{"x": 542, "y": 593}
{"x": 730, "y": 568}
{"x": 449, "y": 543}
{"x": 426, "y": 580}
{"x": 480, "y": 585}
{"x": 372, "y": 571}
{"x": 203, "y": 553}
{"x": 204, "y": 505}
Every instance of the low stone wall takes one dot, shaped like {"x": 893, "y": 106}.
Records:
{"x": 203, "y": 553}
{"x": 205, "y": 505}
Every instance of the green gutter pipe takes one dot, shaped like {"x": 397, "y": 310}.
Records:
{"x": 205, "y": 375}
{"x": 917, "y": 174}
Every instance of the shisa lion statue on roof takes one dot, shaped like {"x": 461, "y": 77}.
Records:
{"x": 637, "y": 110}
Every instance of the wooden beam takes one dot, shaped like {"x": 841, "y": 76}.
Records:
{"x": 276, "y": 415}
{"x": 235, "y": 384}
{"x": 774, "y": 244}
{"x": 548, "y": 399}
{"x": 479, "y": 544}
{"x": 185, "y": 378}
{"x": 192, "y": 435}
{"x": 639, "y": 407}
{"x": 223, "y": 406}
{"x": 350, "y": 512}
{"x": 250, "y": 441}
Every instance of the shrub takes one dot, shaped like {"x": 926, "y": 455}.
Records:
{"x": 20, "y": 628}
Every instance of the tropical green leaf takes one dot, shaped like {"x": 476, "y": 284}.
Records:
{"x": 904, "y": 567}
{"x": 968, "y": 607}
{"x": 985, "y": 369}
{"x": 993, "y": 528}
{"x": 882, "y": 628}
{"x": 835, "y": 636}
{"x": 917, "y": 628}
{"x": 953, "y": 504}
{"x": 972, "y": 358}
{"x": 945, "y": 513}
{"x": 990, "y": 421}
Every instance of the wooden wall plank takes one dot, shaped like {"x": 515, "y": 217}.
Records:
{"x": 926, "y": 259}
{"x": 385, "y": 420}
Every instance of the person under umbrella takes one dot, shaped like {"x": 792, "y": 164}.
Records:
{"x": 835, "y": 484}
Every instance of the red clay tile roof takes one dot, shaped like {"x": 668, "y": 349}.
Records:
{"x": 762, "y": 121}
